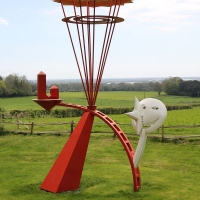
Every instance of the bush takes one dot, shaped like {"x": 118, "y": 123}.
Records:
{"x": 3, "y": 131}
{"x": 2, "y": 109}
{"x": 175, "y": 107}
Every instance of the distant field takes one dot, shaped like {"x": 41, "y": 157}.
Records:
{"x": 105, "y": 99}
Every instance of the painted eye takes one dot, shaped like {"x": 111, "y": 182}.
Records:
{"x": 155, "y": 108}
{"x": 143, "y": 106}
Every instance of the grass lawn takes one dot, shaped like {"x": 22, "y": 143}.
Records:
{"x": 169, "y": 170}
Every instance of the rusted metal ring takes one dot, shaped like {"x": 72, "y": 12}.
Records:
{"x": 93, "y": 19}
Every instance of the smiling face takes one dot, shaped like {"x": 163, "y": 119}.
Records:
{"x": 148, "y": 112}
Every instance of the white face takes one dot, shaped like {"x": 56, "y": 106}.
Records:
{"x": 148, "y": 112}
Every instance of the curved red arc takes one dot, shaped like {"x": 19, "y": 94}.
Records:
{"x": 120, "y": 134}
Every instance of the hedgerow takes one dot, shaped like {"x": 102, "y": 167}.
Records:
{"x": 68, "y": 112}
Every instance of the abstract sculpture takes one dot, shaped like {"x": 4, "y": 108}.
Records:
{"x": 66, "y": 172}
{"x": 147, "y": 116}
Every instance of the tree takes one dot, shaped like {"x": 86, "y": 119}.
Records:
{"x": 190, "y": 88}
{"x": 34, "y": 87}
{"x": 171, "y": 85}
{"x": 2, "y": 88}
{"x": 17, "y": 86}
{"x": 158, "y": 87}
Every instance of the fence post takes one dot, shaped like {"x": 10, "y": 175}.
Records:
{"x": 29, "y": 117}
{"x": 163, "y": 133}
{"x": 114, "y": 135}
{"x": 32, "y": 124}
{"x": 72, "y": 127}
{"x": 17, "y": 122}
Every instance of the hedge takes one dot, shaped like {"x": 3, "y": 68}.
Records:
{"x": 69, "y": 112}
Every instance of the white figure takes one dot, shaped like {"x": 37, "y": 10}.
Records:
{"x": 147, "y": 116}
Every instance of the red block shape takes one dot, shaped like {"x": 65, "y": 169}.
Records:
{"x": 47, "y": 104}
{"x": 65, "y": 174}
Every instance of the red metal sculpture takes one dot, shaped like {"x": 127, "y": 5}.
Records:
{"x": 66, "y": 172}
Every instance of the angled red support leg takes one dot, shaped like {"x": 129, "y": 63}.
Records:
{"x": 66, "y": 172}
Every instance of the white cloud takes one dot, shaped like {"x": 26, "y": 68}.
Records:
{"x": 4, "y": 21}
{"x": 166, "y": 14}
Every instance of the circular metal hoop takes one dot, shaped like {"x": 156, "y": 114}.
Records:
{"x": 93, "y": 19}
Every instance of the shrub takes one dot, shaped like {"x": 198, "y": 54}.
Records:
{"x": 3, "y": 131}
{"x": 2, "y": 109}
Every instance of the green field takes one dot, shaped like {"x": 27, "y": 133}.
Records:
{"x": 105, "y": 99}
{"x": 168, "y": 170}
{"x": 187, "y": 117}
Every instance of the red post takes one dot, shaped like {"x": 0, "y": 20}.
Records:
{"x": 41, "y": 86}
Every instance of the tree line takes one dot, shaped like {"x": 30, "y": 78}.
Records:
{"x": 180, "y": 87}
{"x": 171, "y": 86}
{"x": 143, "y": 86}
{"x": 17, "y": 86}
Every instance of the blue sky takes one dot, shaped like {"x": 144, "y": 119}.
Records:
{"x": 159, "y": 38}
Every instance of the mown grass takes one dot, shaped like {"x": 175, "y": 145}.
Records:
{"x": 168, "y": 170}
{"x": 105, "y": 99}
